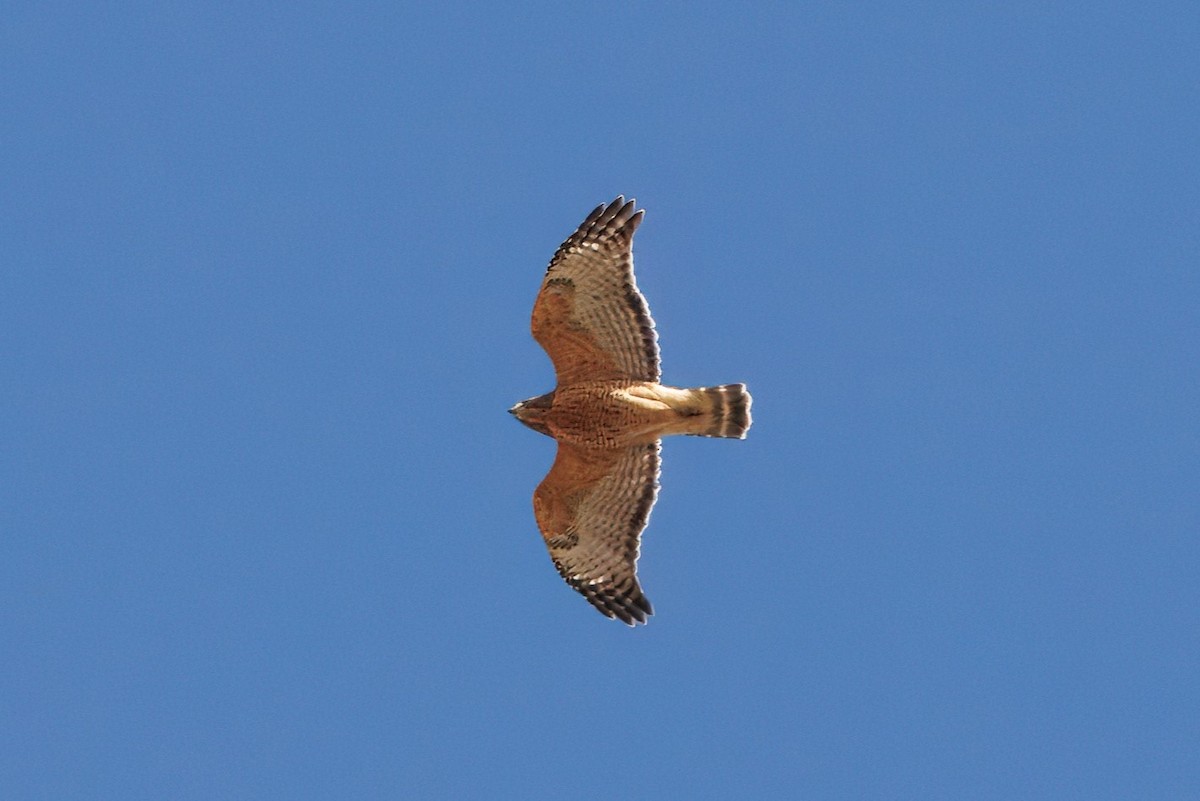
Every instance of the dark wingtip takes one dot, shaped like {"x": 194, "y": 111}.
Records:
{"x": 635, "y": 220}
{"x": 629, "y": 605}
{"x": 622, "y": 216}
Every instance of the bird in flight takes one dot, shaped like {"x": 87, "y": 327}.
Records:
{"x": 608, "y": 412}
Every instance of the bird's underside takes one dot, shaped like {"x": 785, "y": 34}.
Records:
{"x": 608, "y": 412}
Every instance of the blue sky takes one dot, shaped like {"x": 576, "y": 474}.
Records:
{"x": 265, "y": 526}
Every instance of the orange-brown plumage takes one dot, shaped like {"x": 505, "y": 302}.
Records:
{"x": 608, "y": 412}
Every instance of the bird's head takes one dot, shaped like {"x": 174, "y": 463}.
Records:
{"x": 533, "y": 412}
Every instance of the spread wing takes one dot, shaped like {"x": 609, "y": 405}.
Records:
{"x": 589, "y": 315}
{"x": 591, "y": 508}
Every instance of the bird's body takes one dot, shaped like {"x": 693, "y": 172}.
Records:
{"x": 608, "y": 412}
{"x": 617, "y": 414}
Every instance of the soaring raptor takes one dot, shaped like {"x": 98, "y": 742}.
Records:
{"x": 608, "y": 412}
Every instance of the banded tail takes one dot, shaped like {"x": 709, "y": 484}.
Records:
{"x": 728, "y": 413}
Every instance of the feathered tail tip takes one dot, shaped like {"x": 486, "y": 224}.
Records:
{"x": 730, "y": 414}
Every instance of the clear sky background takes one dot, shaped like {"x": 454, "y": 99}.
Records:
{"x": 265, "y": 283}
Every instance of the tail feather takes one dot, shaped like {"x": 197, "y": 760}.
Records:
{"x": 729, "y": 414}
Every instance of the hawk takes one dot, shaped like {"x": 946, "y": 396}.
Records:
{"x": 608, "y": 412}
